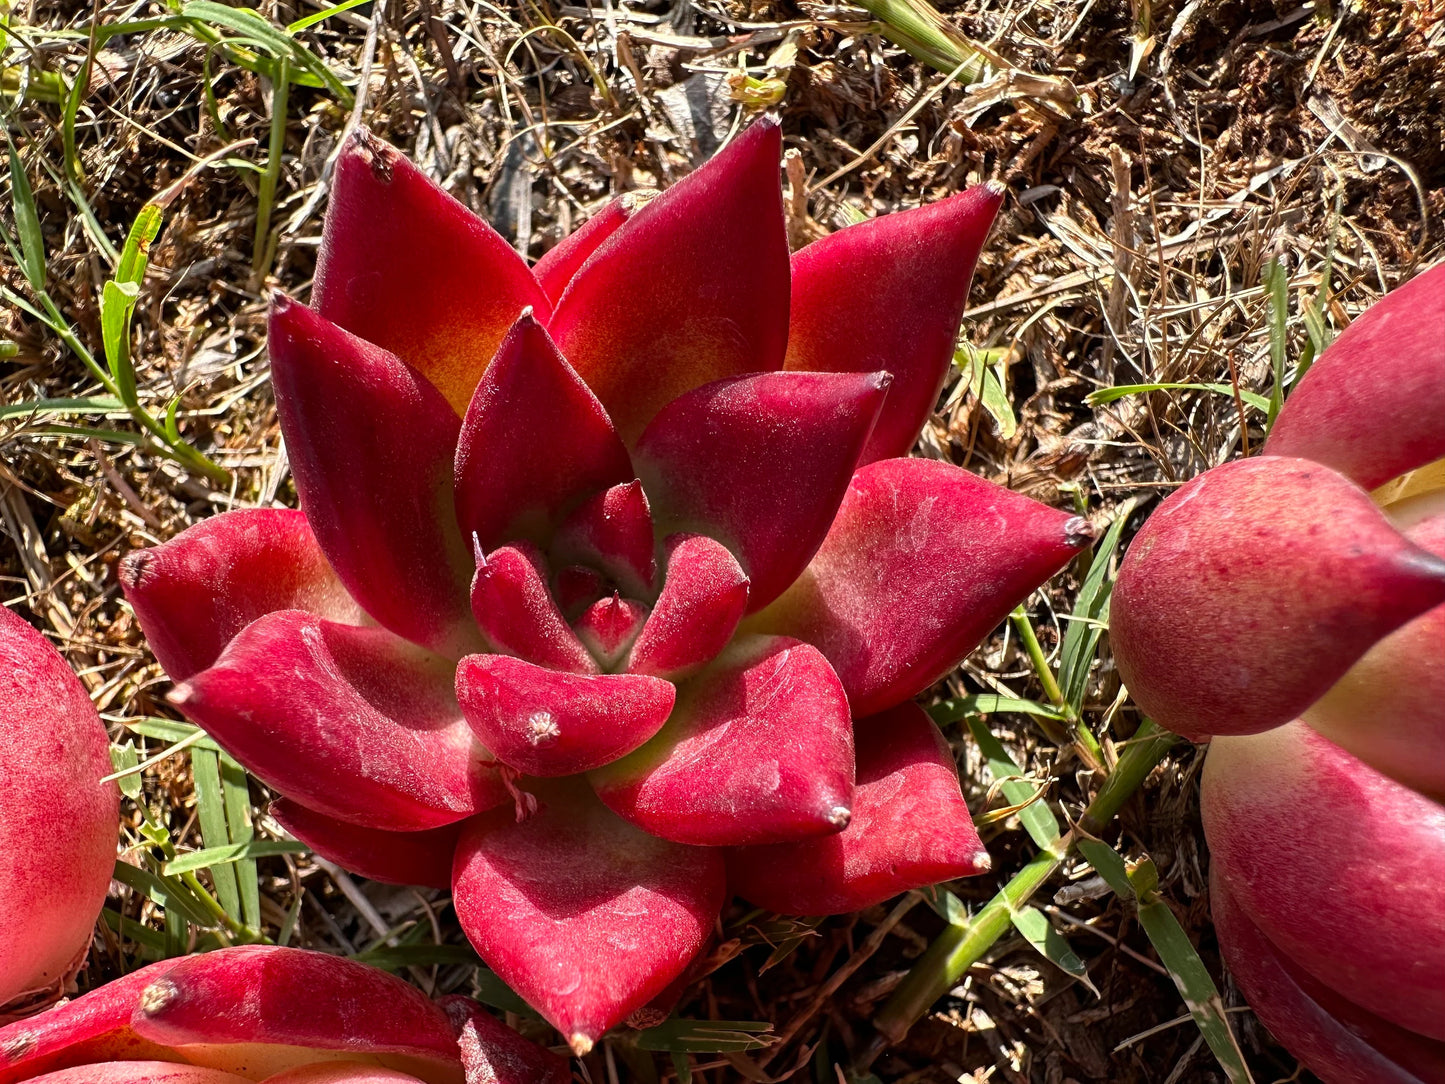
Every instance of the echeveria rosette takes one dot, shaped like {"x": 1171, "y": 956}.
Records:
{"x": 260, "y": 1013}
{"x": 1278, "y": 607}
{"x": 58, "y": 822}
{"x": 634, "y": 548}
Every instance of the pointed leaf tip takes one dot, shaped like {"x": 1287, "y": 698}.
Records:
{"x": 690, "y": 289}
{"x": 889, "y": 294}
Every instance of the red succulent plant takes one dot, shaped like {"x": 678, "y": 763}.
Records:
{"x": 282, "y": 1015}
{"x": 609, "y": 589}
{"x": 1278, "y": 607}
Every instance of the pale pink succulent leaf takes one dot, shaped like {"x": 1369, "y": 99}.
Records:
{"x": 691, "y": 289}
{"x": 58, "y": 829}
{"x": 1370, "y": 406}
{"x": 612, "y": 532}
{"x": 1320, "y": 851}
{"x": 922, "y": 562}
{"x": 354, "y": 723}
{"x": 141, "y": 1072}
{"x": 1334, "y": 1038}
{"x": 265, "y": 995}
{"x": 609, "y": 627}
{"x": 339, "y": 1072}
{"x": 759, "y": 749}
{"x": 910, "y": 828}
{"x": 1256, "y": 586}
{"x": 585, "y": 916}
{"x": 1389, "y": 708}
{"x": 760, "y": 463}
{"x": 193, "y": 593}
{"x": 406, "y": 266}
{"x": 493, "y": 1053}
{"x": 704, "y": 596}
{"x": 398, "y": 858}
{"x": 548, "y": 723}
{"x": 535, "y": 441}
{"x": 517, "y": 614}
{"x": 563, "y": 260}
{"x": 370, "y": 444}
{"x": 889, "y": 294}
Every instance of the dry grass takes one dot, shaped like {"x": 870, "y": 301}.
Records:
{"x": 1140, "y": 217}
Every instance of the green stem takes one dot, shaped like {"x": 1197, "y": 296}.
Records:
{"x": 960, "y": 947}
{"x": 237, "y": 929}
{"x": 1088, "y": 745}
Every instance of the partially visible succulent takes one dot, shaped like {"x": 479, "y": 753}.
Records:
{"x": 58, "y": 821}
{"x": 1278, "y": 607}
{"x": 598, "y": 562}
{"x": 280, "y": 1015}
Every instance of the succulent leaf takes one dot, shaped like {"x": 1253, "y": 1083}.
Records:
{"x": 1370, "y": 406}
{"x": 609, "y": 627}
{"x": 910, "y": 828}
{"x": 563, "y": 260}
{"x": 493, "y": 1053}
{"x": 888, "y": 294}
{"x": 691, "y": 289}
{"x": 371, "y": 444}
{"x": 406, "y": 266}
{"x": 703, "y": 598}
{"x": 535, "y": 442}
{"x": 922, "y": 562}
{"x": 398, "y": 858}
{"x": 195, "y": 592}
{"x": 760, "y": 463}
{"x": 585, "y": 916}
{"x": 547, "y": 723}
{"x": 384, "y": 742}
{"x": 613, "y": 533}
{"x": 517, "y": 614}
{"x": 1337, "y": 865}
{"x": 1256, "y": 586}
{"x": 758, "y": 749}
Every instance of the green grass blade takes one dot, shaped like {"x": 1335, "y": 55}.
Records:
{"x": 97, "y": 404}
{"x": 124, "y": 758}
{"x": 951, "y": 711}
{"x": 233, "y": 852}
{"x": 1036, "y": 816}
{"x": 266, "y": 193}
{"x": 1276, "y": 288}
{"x": 211, "y": 812}
{"x": 1108, "y": 395}
{"x": 1091, "y": 607}
{"x": 1039, "y": 932}
{"x": 706, "y": 1036}
{"x": 319, "y": 16}
{"x": 237, "y": 796}
{"x": 169, "y": 730}
{"x": 152, "y": 942}
{"x": 164, "y": 891}
{"x": 27, "y": 221}
{"x": 135, "y": 256}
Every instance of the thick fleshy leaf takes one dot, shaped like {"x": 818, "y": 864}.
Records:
{"x": 889, "y": 294}
{"x": 59, "y": 824}
{"x": 398, "y": 858}
{"x": 339, "y": 1072}
{"x": 923, "y": 561}
{"x": 371, "y": 446}
{"x": 89, "y": 1029}
{"x": 760, "y": 463}
{"x": 560, "y": 263}
{"x": 910, "y": 828}
{"x": 1389, "y": 708}
{"x": 534, "y": 443}
{"x": 405, "y": 266}
{"x": 517, "y": 614}
{"x": 612, "y": 532}
{"x": 1335, "y": 1038}
{"x": 759, "y": 749}
{"x": 702, "y": 601}
{"x": 609, "y": 627}
{"x": 691, "y": 289}
{"x": 1255, "y": 587}
{"x": 585, "y": 916}
{"x": 544, "y": 722}
{"x": 218, "y": 1008}
{"x": 1336, "y": 864}
{"x": 1370, "y": 406}
{"x": 495, "y": 1054}
{"x": 351, "y": 722}
{"x": 195, "y": 592}
{"x": 141, "y": 1072}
